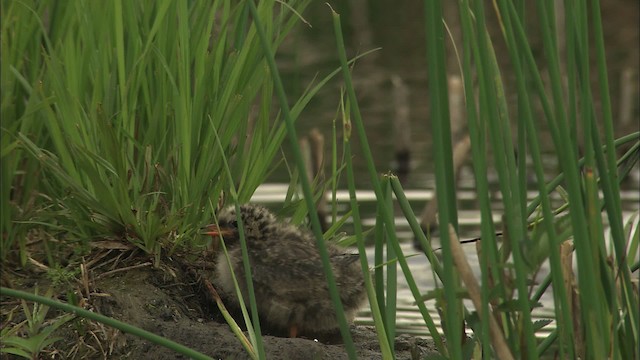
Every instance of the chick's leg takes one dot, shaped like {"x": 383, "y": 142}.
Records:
{"x": 293, "y": 331}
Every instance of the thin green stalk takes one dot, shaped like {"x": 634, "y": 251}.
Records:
{"x": 628, "y": 306}
{"x": 408, "y": 213}
{"x": 591, "y": 306}
{"x": 256, "y": 332}
{"x": 184, "y": 105}
{"x": 546, "y": 342}
{"x": 392, "y": 271}
{"x": 181, "y": 349}
{"x": 366, "y": 151}
{"x": 551, "y": 185}
{"x": 306, "y": 187}
{"x": 562, "y": 306}
{"x": 606, "y": 287}
{"x": 488, "y": 249}
{"x": 445, "y": 180}
{"x": 610, "y": 186}
{"x": 334, "y": 172}
{"x": 378, "y": 236}
{"x": 571, "y": 73}
{"x": 386, "y": 341}
{"x": 128, "y": 125}
{"x": 522, "y": 135}
{"x": 492, "y": 113}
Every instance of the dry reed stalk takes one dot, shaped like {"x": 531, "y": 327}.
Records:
{"x": 498, "y": 341}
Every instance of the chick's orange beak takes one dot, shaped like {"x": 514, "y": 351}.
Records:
{"x": 215, "y": 230}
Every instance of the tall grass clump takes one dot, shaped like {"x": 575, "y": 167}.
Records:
{"x": 596, "y": 309}
{"x": 110, "y": 115}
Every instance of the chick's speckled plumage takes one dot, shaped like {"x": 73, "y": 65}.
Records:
{"x": 288, "y": 278}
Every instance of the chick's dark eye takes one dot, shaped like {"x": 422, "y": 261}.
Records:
{"x": 233, "y": 224}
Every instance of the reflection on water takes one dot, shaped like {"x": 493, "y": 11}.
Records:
{"x": 409, "y": 319}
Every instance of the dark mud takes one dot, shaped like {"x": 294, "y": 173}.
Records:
{"x": 172, "y": 302}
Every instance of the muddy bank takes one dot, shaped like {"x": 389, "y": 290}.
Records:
{"x": 172, "y": 302}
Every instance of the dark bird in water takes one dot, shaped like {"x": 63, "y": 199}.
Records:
{"x": 288, "y": 278}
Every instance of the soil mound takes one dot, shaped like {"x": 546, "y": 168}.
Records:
{"x": 173, "y": 302}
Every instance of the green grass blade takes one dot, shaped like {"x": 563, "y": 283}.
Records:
{"x": 445, "y": 180}
{"x": 306, "y": 187}
{"x": 384, "y": 339}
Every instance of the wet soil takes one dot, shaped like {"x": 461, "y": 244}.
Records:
{"x": 172, "y": 302}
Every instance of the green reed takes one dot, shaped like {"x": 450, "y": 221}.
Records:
{"x": 382, "y": 314}
{"x": 122, "y": 117}
{"x": 253, "y": 327}
{"x": 121, "y": 123}
{"x": 306, "y": 186}
{"x": 384, "y": 211}
{"x": 534, "y": 232}
{"x": 445, "y": 180}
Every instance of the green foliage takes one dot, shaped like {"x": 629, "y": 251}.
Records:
{"x": 537, "y": 232}
{"x": 62, "y": 276}
{"x": 112, "y": 111}
{"x": 37, "y": 331}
